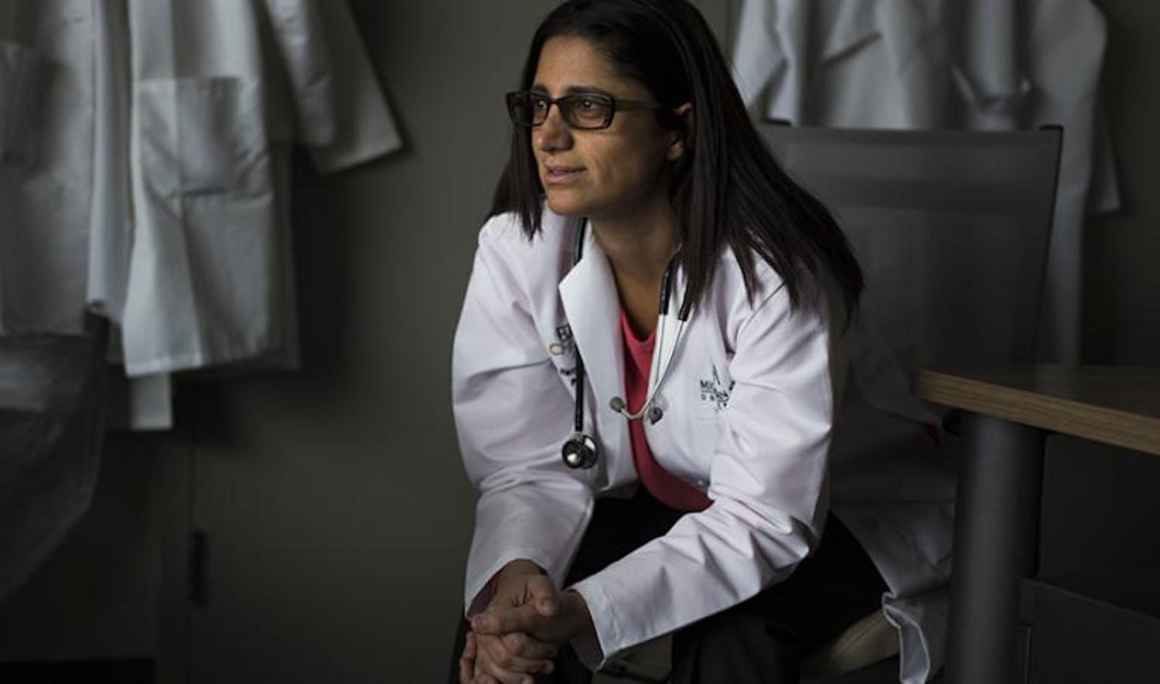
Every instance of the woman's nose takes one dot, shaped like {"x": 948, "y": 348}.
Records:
{"x": 554, "y": 133}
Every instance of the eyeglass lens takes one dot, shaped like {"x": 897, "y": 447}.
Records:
{"x": 580, "y": 111}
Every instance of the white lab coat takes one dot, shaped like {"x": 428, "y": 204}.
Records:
{"x": 749, "y": 408}
{"x": 144, "y": 171}
{"x": 220, "y": 89}
{"x": 895, "y": 64}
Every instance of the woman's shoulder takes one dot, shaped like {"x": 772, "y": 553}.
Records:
{"x": 505, "y": 247}
{"x": 734, "y": 303}
{"x": 501, "y": 227}
{"x": 729, "y": 287}
{"x": 505, "y": 233}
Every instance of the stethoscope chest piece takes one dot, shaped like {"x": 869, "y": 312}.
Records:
{"x": 579, "y": 451}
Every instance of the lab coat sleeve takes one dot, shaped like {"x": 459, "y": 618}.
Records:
{"x": 301, "y": 38}
{"x": 768, "y": 480}
{"x": 508, "y": 401}
{"x": 758, "y": 58}
{"x": 341, "y": 111}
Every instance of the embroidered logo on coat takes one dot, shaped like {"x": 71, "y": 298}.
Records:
{"x": 714, "y": 391}
{"x": 564, "y": 344}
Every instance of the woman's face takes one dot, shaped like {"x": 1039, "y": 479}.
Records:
{"x": 607, "y": 173}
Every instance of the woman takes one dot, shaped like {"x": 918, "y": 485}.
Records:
{"x": 647, "y": 260}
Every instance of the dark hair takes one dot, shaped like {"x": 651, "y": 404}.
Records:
{"x": 726, "y": 187}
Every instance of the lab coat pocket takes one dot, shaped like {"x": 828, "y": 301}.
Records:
{"x": 23, "y": 74}
{"x": 204, "y": 137}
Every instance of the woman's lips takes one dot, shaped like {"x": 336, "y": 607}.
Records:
{"x": 560, "y": 175}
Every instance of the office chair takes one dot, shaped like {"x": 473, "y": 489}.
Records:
{"x": 52, "y": 408}
{"x": 951, "y": 229}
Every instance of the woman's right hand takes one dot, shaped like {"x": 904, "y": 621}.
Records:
{"x": 512, "y": 658}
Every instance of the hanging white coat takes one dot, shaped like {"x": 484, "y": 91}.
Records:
{"x": 749, "y": 408}
{"x": 892, "y": 64}
{"x": 219, "y": 91}
{"x": 144, "y": 170}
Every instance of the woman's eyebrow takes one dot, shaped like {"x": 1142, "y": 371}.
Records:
{"x": 573, "y": 90}
{"x": 586, "y": 90}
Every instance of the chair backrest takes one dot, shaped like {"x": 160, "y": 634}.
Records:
{"x": 951, "y": 229}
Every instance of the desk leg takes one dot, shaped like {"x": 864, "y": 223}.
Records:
{"x": 996, "y": 543}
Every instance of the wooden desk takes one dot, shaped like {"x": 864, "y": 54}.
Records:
{"x": 1009, "y": 414}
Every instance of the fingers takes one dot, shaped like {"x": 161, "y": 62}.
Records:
{"x": 527, "y": 647}
{"x": 542, "y": 593}
{"x": 496, "y": 659}
{"x": 499, "y": 620}
{"x": 467, "y": 661}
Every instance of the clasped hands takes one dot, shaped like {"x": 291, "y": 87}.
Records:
{"x": 522, "y": 629}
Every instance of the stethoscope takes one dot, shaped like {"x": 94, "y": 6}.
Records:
{"x": 580, "y": 450}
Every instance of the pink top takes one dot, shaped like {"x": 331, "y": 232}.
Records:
{"x": 663, "y": 485}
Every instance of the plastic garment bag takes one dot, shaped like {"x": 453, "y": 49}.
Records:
{"x": 51, "y": 429}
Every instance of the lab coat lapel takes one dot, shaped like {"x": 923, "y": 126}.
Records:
{"x": 588, "y": 293}
{"x": 593, "y": 310}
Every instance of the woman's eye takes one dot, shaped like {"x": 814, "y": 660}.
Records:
{"x": 588, "y": 103}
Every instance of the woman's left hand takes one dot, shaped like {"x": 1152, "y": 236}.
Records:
{"x": 559, "y": 621}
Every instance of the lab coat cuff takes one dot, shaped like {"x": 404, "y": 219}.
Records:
{"x": 339, "y": 156}
{"x": 594, "y": 652}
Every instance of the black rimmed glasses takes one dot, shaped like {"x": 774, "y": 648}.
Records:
{"x": 587, "y": 111}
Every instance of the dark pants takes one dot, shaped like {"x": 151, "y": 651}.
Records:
{"x": 761, "y": 640}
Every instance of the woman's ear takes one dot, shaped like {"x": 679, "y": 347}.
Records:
{"x": 680, "y": 136}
